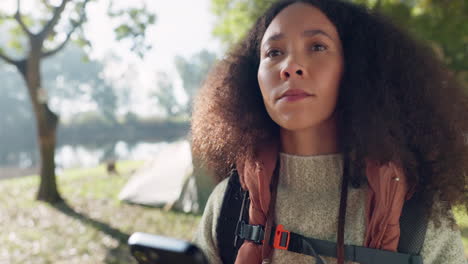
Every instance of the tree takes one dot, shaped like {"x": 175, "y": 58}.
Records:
{"x": 193, "y": 71}
{"x": 235, "y": 17}
{"x": 35, "y": 39}
{"x": 72, "y": 79}
{"x": 165, "y": 96}
{"x": 441, "y": 22}
{"x": 77, "y": 78}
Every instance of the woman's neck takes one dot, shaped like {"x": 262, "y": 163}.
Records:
{"x": 318, "y": 140}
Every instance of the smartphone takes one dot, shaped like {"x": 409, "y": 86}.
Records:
{"x": 153, "y": 249}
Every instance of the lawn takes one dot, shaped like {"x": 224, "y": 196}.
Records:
{"x": 92, "y": 226}
{"x": 462, "y": 221}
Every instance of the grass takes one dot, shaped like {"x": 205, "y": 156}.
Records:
{"x": 462, "y": 221}
{"x": 92, "y": 226}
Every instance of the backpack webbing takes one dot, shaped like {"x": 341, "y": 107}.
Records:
{"x": 227, "y": 221}
{"x": 413, "y": 224}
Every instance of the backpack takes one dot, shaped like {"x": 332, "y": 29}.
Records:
{"x": 232, "y": 229}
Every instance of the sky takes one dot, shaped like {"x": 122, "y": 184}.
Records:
{"x": 183, "y": 27}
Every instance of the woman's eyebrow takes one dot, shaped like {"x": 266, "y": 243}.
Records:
{"x": 274, "y": 37}
{"x": 306, "y": 33}
{"x": 313, "y": 32}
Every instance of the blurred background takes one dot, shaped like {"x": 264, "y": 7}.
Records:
{"x": 95, "y": 103}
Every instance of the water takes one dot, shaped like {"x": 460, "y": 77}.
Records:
{"x": 26, "y": 162}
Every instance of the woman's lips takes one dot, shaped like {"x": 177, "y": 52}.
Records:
{"x": 293, "y": 98}
{"x": 293, "y": 95}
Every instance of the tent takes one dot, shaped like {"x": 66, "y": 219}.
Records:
{"x": 165, "y": 181}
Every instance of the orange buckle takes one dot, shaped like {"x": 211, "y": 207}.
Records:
{"x": 282, "y": 236}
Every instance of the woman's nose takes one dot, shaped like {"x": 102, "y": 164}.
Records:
{"x": 292, "y": 70}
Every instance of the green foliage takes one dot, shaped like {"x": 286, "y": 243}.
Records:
{"x": 16, "y": 40}
{"x": 235, "y": 17}
{"x": 15, "y": 44}
{"x": 134, "y": 22}
{"x": 29, "y": 22}
{"x": 122, "y": 31}
{"x": 443, "y": 23}
{"x": 83, "y": 42}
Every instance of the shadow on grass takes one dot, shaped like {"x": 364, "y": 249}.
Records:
{"x": 103, "y": 227}
{"x": 164, "y": 208}
{"x": 464, "y": 231}
{"x": 119, "y": 255}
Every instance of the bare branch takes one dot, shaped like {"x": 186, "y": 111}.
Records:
{"x": 20, "y": 21}
{"x": 59, "y": 47}
{"x": 75, "y": 24}
{"x": 54, "y": 20}
{"x": 8, "y": 59}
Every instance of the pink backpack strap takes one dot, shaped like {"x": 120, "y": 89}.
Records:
{"x": 388, "y": 191}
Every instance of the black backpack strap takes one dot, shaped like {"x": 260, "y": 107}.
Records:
{"x": 314, "y": 247}
{"x": 282, "y": 239}
{"x": 413, "y": 226}
{"x": 227, "y": 223}
{"x": 234, "y": 218}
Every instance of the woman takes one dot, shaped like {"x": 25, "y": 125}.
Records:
{"x": 333, "y": 118}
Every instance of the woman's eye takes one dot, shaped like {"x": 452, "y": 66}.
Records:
{"x": 318, "y": 47}
{"x": 273, "y": 53}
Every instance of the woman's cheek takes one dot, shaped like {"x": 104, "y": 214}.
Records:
{"x": 267, "y": 83}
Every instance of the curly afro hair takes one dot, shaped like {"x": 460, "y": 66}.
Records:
{"x": 397, "y": 102}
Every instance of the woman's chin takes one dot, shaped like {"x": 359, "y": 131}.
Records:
{"x": 296, "y": 126}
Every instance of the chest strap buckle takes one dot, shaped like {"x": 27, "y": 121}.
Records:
{"x": 253, "y": 233}
{"x": 282, "y": 237}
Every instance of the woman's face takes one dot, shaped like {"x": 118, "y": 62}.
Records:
{"x": 301, "y": 64}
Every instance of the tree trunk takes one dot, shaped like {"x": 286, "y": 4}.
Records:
{"x": 47, "y": 127}
{"x": 46, "y": 122}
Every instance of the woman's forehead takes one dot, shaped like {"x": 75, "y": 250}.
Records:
{"x": 300, "y": 18}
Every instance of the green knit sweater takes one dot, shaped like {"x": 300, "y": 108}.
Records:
{"x": 307, "y": 203}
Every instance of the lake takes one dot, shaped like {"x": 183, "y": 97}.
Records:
{"x": 26, "y": 161}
